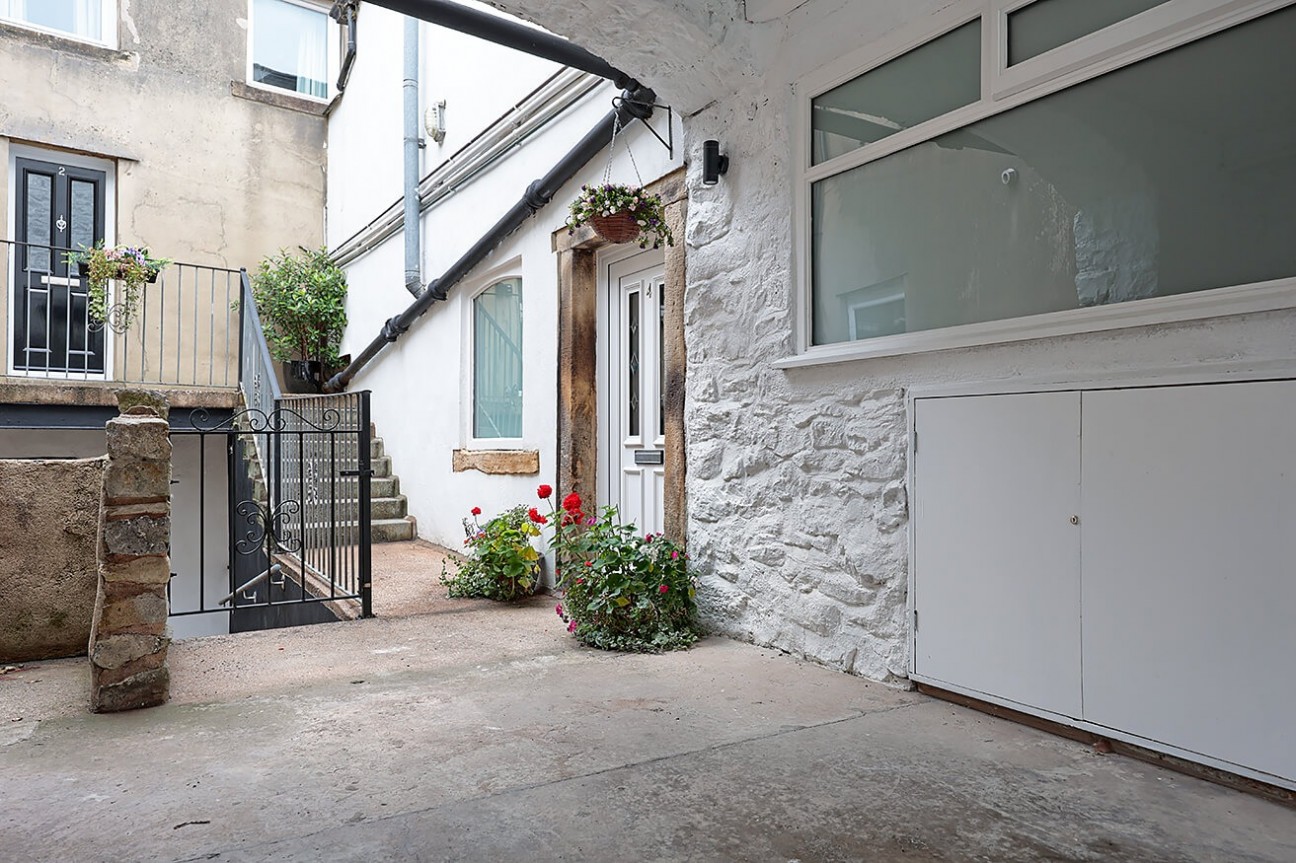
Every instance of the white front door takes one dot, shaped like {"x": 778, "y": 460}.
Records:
{"x": 633, "y": 463}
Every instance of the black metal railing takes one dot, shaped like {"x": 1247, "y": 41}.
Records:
{"x": 298, "y": 528}
{"x": 298, "y": 500}
{"x": 184, "y": 331}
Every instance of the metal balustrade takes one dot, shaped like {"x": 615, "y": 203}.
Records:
{"x": 184, "y": 333}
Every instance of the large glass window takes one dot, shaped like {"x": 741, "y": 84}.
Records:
{"x": 289, "y": 47}
{"x": 934, "y": 79}
{"x": 497, "y": 361}
{"x": 84, "y": 19}
{"x": 1166, "y": 177}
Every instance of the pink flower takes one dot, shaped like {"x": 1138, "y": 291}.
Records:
{"x": 648, "y": 537}
{"x": 571, "y": 627}
{"x": 663, "y": 589}
{"x": 674, "y": 555}
{"x": 558, "y": 609}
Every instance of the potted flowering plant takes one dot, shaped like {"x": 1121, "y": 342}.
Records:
{"x": 130, "y": 266}
{"x": 621, "y": 214}
{"x": 621, "y": 591}
{"x": 503, "y": 564}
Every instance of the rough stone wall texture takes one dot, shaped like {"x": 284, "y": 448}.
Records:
{"x": 48, "y": 567}
{"x": 128, "y": 644}
{"x": 798, "y": 509}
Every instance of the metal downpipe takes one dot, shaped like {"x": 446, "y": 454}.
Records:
{"x": 410, "y": 94}
{"x": 635, "y": 105}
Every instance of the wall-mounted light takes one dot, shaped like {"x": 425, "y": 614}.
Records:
{"x": 434, "y": 120}
{"x": 714, "y": 165}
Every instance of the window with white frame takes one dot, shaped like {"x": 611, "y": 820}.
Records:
{"x": 497, "y": 361}
{"x": 289, "y": 47}
{"x": 996, "y": 170}
{"x": 87, "y": 20}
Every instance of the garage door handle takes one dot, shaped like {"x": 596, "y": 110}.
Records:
{"x": 1075, "y": 519}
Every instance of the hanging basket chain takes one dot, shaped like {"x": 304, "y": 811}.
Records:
{"x": 607, "y": 172}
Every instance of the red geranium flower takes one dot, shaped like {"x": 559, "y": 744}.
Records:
{"x": 544, "y": 491}
{"x": 534, "y": 515}
{"x": 663, "y": 589}
{"x": 476, "y": 510}
{"x": 572, "y": 502}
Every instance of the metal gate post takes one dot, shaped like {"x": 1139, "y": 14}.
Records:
{"x": 366, "y": 526}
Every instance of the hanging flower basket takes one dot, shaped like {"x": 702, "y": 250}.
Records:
{"x": 131, "y": 267}
{"x": 617, "y": 228}
{"x": 621, "y": 214}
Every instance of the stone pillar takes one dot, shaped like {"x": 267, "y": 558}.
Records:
{"x": 128, "y": 641}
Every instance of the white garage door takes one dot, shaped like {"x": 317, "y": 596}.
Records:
{"x": 1122, "y": 560}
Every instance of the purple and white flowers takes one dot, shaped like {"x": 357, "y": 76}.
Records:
{"x": 611, "y": 199}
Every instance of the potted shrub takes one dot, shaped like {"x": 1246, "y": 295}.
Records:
{"x": 301, "y": 299}
{"x": 621, "y": 214}
{"x": 502, "y": 564}
{"x": 130, "y": 266}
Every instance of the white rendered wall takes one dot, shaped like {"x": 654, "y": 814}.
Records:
{"x": 796, "y": 485}
{"x": 421, "y": 402}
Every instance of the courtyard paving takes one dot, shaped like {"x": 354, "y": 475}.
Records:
{"x": 465, "y": 731}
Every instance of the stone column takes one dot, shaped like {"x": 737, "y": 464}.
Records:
{"x": 128, "y": 641}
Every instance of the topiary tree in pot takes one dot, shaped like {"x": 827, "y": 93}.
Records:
{"x": 301, "y": 299}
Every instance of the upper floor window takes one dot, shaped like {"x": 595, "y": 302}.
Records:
{"x": 1142, "y": 177}
{"x": 289, "y": 47}
{"x": 87, "y": 20}
{"x": 497, "y": 361}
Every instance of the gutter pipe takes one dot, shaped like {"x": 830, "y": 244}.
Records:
{"x": 413, "y": 244}
{"x": 345, "y": 14}
{"x": 511, "y": 34}
{"x": 633, "y": 105}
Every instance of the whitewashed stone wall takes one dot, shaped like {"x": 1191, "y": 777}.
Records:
{"x": 797, "y": 494}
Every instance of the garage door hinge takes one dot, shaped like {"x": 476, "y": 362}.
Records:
{"x": 915, "y": 441}
{"x": 915, "y": 620}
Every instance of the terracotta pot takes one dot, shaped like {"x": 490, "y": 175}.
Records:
{"x": 617, "y": 228}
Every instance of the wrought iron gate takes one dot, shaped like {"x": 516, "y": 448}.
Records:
{"x": 297, "y": 480}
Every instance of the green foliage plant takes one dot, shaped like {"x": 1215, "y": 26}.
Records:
{"x": 621, "y": 590}
{"x": 301, "y": 299}
{"x": 130, "y": 266}
{"x": 501, "y": 564}
{"x": 608, "y": 199}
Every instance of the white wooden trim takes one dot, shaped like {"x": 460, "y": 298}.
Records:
{"x": 108, "y": 29}
{"x": 332, "y": 46}
{"x": 1238, "y": 300}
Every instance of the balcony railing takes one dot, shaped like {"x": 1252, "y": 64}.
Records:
{"x": 184, "y": 333}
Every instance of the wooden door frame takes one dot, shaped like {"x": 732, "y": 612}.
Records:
{"x": 578, "y": 397}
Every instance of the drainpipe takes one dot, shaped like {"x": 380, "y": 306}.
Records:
{"x": 511, "y": 34}
{"x": 413, "y": 246}
{"x": 636, "y": 105}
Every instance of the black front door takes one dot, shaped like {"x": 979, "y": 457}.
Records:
{"x": 59, "y": 207}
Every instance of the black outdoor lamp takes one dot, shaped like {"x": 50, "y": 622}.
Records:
{"x": 713, "y": 164}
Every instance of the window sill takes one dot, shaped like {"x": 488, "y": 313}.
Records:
{"x": 279, "y": 99}
{"x": 65, "y": 42}
{"x": 497, "y": 462}
{"x": 1240, "y": 300}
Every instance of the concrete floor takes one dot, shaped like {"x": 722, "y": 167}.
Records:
{"x": 476, "y": 732}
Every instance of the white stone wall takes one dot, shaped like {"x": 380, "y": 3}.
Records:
{"x": 797, "y": 492}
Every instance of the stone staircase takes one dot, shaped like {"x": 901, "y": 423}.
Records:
{"x": 391, "y": 519}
